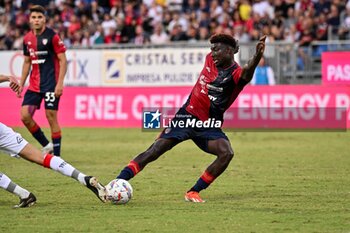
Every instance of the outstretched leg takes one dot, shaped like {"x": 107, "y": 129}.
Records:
{"x": 56, "y": 163}
{"x": 159, "y": 147}
{"x": 223, "y": 150}
{"x": 12, "y": 143}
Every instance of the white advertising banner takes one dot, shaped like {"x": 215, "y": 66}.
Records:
{"x": 152, "y": 67}
{"x": 83, "y": 66}
{"x": 123, "y": 67}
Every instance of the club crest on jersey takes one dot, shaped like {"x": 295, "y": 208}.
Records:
{"x": 44, "y": 41}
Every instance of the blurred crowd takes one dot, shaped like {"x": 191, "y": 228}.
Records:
{"x": 90, "y": 22}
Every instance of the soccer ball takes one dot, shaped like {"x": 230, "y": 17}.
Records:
{"x": 119, "y": 191}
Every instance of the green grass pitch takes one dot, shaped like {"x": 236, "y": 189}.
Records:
{"x": 277, "y": 182}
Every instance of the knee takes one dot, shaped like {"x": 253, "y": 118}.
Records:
{"x": 26, "y": 118}
{"x": 226, "y": 156}
{"x": 156, "y": 150}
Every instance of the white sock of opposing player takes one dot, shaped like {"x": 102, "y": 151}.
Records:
{"x": 58, "y": 164}
{"x": 7, "y": 184}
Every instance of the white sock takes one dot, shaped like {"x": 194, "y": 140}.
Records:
{"x": 58, "y": 164}
{"x": 21, "y": 192}
{"x": 4, "y": 181}
{"x": 7, "y": 184}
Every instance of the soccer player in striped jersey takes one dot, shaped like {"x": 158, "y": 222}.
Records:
{"x": 44, "y": 54}
{"x": 220, "y": 82}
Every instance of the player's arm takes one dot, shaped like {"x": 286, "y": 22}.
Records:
{"x": 62, "y": 59}
{"x": 14, "y": 85}
{"x": 249, "y": 68}
{"x": 25, "y": 72}
{"x": 4, "y": 78}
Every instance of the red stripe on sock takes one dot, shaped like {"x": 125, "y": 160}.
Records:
{"x": 34, "y": 129}
{"x": 207, "y": 177}
{"x": 134, "y": 167}
{"x": 47, "y": 160}
{"x": 56, "y": 135}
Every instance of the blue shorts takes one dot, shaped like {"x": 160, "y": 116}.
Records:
{"x": 200, "y": 136}
{"x": 35, "y": 98}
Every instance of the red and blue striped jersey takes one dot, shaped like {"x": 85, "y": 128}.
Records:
{"x": 42, "y": 50}
{"x": 215, "y": 90}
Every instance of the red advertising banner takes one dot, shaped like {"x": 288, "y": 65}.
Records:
{"x": 256, "y": 107}
{"x": 336, "y": 68}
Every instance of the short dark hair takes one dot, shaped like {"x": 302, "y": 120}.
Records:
{"x": 37, "y": 8}
{"x": 223, "y": 38}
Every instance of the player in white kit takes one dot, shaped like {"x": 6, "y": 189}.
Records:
{"x": 14, "y": 144}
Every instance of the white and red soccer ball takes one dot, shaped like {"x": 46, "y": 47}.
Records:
{"x": 119, "y": 191}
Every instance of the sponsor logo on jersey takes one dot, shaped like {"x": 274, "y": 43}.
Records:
{"x": 38, "y": 61}
{"x": 19, "y": 139}
{"x": 41, "y": 52}
{"x": 212, "y": 87}
{"x": 212, "y": 98}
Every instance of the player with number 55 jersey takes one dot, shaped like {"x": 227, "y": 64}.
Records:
{"x": 44, "y": 55}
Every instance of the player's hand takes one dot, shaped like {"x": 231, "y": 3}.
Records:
{"x": 19, "y": 91}
{"x": 14, "y": 85}
{"x": 260, "y": 47}
{"x": 58, "y": 90}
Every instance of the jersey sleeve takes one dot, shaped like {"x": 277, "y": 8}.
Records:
{"x": 58, "y": 45}
{"x": 236, "y": 74}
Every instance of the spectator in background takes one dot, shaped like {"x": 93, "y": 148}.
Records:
{"x": 18, "y": 41}
{"x": 263, "y": 74}
{"x": 215, "y": 10}
{"x": 98, "y": 37}
{"x": 108, "y": 24}
{"x": 4, "y": 24}
{"x": 159, "y": 36}
{"x": 203, "y": 33}
{"x": 192, "y": 35}
{"x": 322, "y": 6}
{"x": 203, "y": 6}
{"x": 321, "y": 33}
{"x": 74, "y": 24}
{"x": 155, "y": 13}
{"x": 245, "y": 10}
{"x": 141, "y": 37}
{"x": 177, "y": 34}
{"x": 86, "y": 40}
{"x": 344, "y": 31}
{"x": 334, "y": 19}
